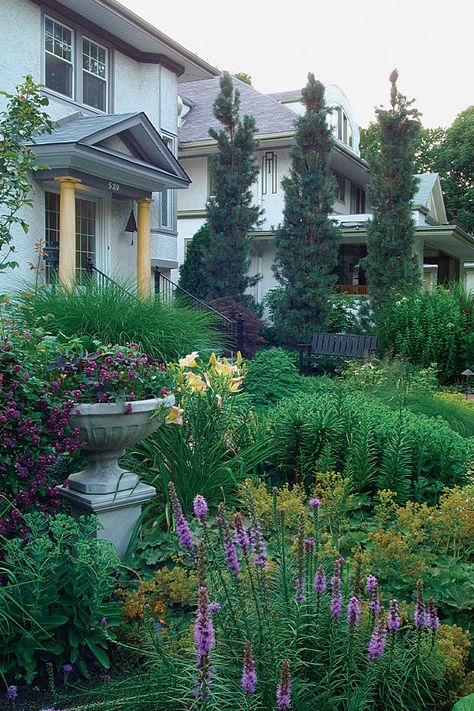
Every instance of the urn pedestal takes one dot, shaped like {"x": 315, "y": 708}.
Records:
{"x": 103, "y": 488}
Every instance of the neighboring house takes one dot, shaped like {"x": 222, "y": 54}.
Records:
{"x": 112, "y": 84}
{"x": 442, "y": 248}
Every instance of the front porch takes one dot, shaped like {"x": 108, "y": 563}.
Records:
{"x": 102, "y": 172}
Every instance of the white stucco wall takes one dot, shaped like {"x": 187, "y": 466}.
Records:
{"x": 136, "y": 87}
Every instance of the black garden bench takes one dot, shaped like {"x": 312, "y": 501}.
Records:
{"x": 336, "y": 348}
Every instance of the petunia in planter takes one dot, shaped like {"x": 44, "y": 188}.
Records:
{"x": 122, "y": 396}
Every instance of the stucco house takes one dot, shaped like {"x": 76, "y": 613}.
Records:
{"x": 112, "y": 83}
{"x": 442, "y": 249}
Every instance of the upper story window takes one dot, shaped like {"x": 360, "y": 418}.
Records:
{"x": 341, "y": 126}
{"x": 75, "y": 66}
{"x": 167, "y": 211}
{"x": 357, "y": 200}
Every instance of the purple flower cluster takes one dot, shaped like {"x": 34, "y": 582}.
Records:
{"x": 259, "y": 548}
{"x": 204, "y": 638}
{"x": 182, "y": 526}
{"x": 393, "y": 622}
{"x": 230, "y": 553}
{"x": 283, "y": 691}
{"x": 240, "y": 534}
{"x": 420, "y": 613}
{"x": 200, "y": 507}
{"x": 353, "y": 612}
{"x": 12, "y": 693}
{"x": 36, "y": 438}
{"x": 320, "y": 581}
{"x": 336, "y": 592}
{"x": 377, "y": 642}
{"x": 432, "y": 619}
{"x": 249, "y": 675}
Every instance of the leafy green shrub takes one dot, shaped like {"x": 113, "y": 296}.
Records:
{"x": 427, "y": 328}
{"x": 56, "y": 603}
{"x": 111, "y": 314}
{"x": 414, "y": 455}
{"x": 271, "y": 376}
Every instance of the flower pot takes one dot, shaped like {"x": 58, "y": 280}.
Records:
{"x": 105, "y": 431}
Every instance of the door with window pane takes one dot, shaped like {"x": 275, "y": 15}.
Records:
{"x": 86, "y": 226}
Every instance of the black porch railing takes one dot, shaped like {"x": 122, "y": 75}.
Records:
{"x": 168, "y": 290}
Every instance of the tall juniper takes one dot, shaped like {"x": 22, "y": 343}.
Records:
{"x": 230, "y": 213}
{"x": 307, "y": 243}
{"x": 391, "y": 265}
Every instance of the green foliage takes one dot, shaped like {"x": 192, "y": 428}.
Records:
{"x": 418, "y": 456}
{"x": 230, "y": 213}
{"x": 427, "y": 328}
{"x": 218, "y": 445}
{"x": 22, "y": 120}
{"x": 271, "y": 376}
{"x": 390, "y": 265}
{"x": 243, "y": 76}
{"x": 465, "y": 704}
{"x": 456, "y": 166}
{"x": 192, "y": 275}
{"x": 60, "y": 582}
{"x": 307, "y": 243}
{"x": 110, "y": 314}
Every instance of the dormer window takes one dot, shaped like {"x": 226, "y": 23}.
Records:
{"x": 341, "y": 126}
{"x": 75, "y": 66}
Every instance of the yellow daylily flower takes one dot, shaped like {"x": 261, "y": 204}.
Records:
{"x": 174, "y": 416}
{"x": 235, "y": 384}
{"x": 189, "y": 361}
{"x": 239, "y": 359}
{"x": 212, "y": 359}
{"x": 224, "y": 368}
{"x": 195, "y": 382}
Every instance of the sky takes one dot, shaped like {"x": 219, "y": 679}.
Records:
{"x": 354, "y": 44}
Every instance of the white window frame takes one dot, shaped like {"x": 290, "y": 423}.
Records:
{"x": 73, "y": 55}
{"x": 82, "y": 70}
{"x": 170, "y": 142}
{"x": 78, "y": 36}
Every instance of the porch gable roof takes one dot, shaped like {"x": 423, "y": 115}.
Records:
{"x": 125, "y": 149}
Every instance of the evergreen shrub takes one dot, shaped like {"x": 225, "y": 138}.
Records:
{"x": 271, "y": 376}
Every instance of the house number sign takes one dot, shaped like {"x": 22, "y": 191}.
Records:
{"x": 114, "y": 186}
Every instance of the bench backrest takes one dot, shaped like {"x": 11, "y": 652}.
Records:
{"x": 343, "y": 345}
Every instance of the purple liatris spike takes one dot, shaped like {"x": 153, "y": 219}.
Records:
{"x": 393, "y": 622}
{"x": 374, "y": 604}
{"x": 420, "y": 614}
{"x": 182, "y": 527}
{"x": 230, "y": 554}
{"x": 203, "y": 629}
{"x": 377, "y": 642}
{"x": 240, "y": 535}
{"x": 249, "y": 675}
{"x": 220, "y": 517}
{"x": 353, "y": 611}
{"x": 12, "y": 693}
{"x": 315, "y": 504}
{"x": 299, "y": 589}
{"x": 259, "y": 548}
{"x": 283, "y": 691}
{"x": 371, "y": 583}
{"x": 200, "y": 507}
{"x": 320, "y": 581}
{"x": 336, "y": 594}
{"x": 432, "y": 619}
{"x": 308, "y": 544}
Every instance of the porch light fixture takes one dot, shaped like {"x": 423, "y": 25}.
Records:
{"x": 467, "y": 374}
{"x": 131, "y": 225}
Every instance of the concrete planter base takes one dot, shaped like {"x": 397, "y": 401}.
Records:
{"x": 118, "y": 513}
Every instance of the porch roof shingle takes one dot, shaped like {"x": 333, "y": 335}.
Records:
{"x": 77, "y": 127}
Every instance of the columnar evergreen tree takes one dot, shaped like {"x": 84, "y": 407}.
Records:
{"x": 192, "y": 273}
{"x": 230, "y": 212}
{"x": 391, "y": 266}
{"x": 307, "y": 243}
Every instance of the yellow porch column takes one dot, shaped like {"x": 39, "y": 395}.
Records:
{"x": 67, "y": 231}
{"x": 144, "y": 248}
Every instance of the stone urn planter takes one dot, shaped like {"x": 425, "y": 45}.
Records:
{"x": 103, "y": 488}
{"x": 105, "y": 431}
